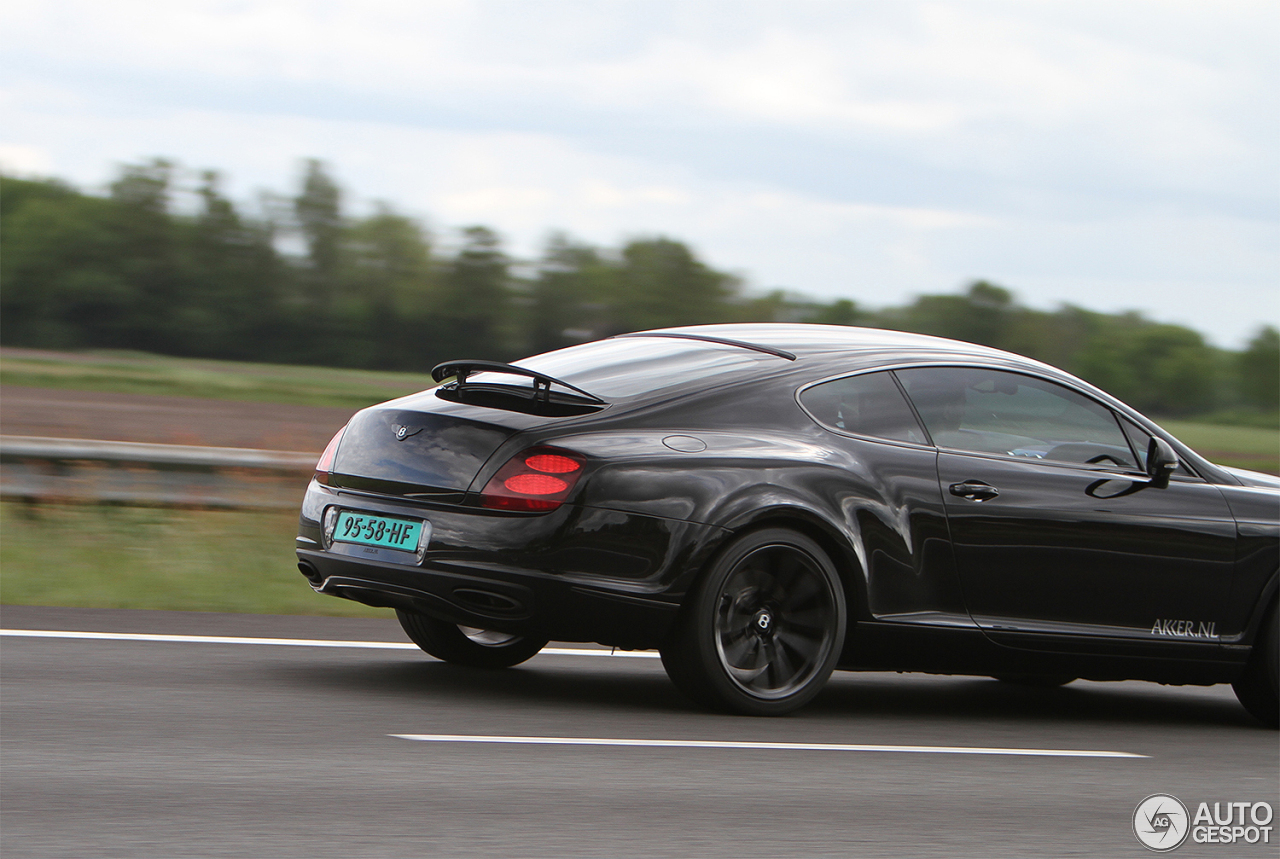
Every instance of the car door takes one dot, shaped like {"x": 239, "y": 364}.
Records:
{"x": 1057, "y": 530}
{"x": 892, "y": 499}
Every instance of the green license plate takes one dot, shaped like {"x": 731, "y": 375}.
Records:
{"x": 380, "y": 531}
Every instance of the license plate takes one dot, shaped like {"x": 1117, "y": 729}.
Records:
{"x": 382, "y": 531}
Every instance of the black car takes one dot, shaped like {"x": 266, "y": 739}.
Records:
{"x": 766, "y": 503}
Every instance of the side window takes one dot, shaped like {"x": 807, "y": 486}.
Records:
{"x": 989, "y": 411}
{"x": 870, "y": 404}
{"x": 1139, "y": 438}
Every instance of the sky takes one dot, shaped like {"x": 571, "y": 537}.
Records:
{"x": 1117, "y": 155}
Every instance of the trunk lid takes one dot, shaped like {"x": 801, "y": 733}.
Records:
{"x": 422, "y": 447}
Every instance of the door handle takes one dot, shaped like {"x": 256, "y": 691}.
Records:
{"x": 974, "y": 490}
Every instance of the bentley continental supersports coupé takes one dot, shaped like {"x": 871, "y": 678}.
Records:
{"x": 766, "y": 503}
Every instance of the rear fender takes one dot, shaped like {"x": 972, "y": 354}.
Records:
{"x": 773, "y": 508}
{"x": 690, "y": 475}
{"x": 759, "y": 513}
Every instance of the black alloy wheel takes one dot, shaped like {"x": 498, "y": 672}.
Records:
{"x": 465, "y": 645}
{"x": 763, "y": 629}
{"x": 1258, "y": 689}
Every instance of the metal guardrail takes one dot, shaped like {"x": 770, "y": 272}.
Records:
{"x": 114, "y": 472}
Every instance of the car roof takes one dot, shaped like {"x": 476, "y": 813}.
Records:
{"x": 841, "y": 348}
{"x": 812, "y": 339}
{"x": 806, "y": 351}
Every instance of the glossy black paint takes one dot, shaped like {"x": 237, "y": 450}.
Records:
{"x": 1253, "y": 504}
{"x": 438, "y": 446}
{"x": 1068, "y": 568}
{"x": 1070, "y": 550}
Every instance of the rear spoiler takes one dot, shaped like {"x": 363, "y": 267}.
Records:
{"x": 461, "y": 369}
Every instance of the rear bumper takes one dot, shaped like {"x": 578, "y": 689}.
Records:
{"x": 528, "y": 604}
{"x": 576, "y": 574}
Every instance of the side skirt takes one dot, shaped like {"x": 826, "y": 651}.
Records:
{"x": 877, "y": 646}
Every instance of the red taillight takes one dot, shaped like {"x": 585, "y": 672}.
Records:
{"x": 535, "y": 484}
{"x": 551, "y": 463}
{"x": 538, "y": 480}
{"x": 325, "y": 466}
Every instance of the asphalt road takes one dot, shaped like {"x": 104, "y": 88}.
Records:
{"x": 154, "y": 748}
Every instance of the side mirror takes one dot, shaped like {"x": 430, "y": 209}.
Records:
{"x": 1162, "y": 460}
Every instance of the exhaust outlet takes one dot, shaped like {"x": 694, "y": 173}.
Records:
{"x": 312, "y": 574}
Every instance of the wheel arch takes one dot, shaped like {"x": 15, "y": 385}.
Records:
{"x": 693, "y": 652}
{"x": 828, "y": 536}
{"x": 1267, "y": 601}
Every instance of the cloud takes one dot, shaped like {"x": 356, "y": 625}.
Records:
{"x": 872, "y": 149}
{"x": 25, "y": 160}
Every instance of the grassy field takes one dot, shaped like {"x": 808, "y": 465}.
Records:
{"x": 119, "y": 557}
{"x": 140, "y": 373}
{"x": 1242, "y": 447}
{"x": 181, "y": 560}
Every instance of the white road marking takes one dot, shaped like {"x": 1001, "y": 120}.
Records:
{"x": 286, "y": 642}
{"x": 575, "y": 651}
{"x": 556, "y": 741}
{"x": 206, "y": 639}
{"x": 733, "y": 744}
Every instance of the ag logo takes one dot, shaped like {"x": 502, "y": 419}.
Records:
{"x": 403, "y": 433}
{"x": 1161, "y": 823}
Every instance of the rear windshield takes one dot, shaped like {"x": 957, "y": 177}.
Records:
{"x": 633, "y": 366}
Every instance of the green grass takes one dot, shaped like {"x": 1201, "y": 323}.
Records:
{"x": 1243, "y": 447}
{"x": 183, "y": 560}
{"x": 140, "y": 373}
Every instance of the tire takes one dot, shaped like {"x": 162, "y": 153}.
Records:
{"x": 1036, "y": 681}
{"x": 464, "y": 645}
{"x": 762, "y": 630}
{"x": 1259, "y": 687}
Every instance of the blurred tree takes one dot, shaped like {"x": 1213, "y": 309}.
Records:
{"x": 147, "y": 257}
{"x": 1056, "y": 338}
{"x": 15, "y": 193}
{"x": 318, "y": 210}
{"x": 390, "y": 291}
{"x": 126, "y": 270}
{"x": 60, "y": 280}
{"x": 842, "y": 311}
{"x": 982, "y": 315}
{"x": 231, "y": 276}
{"x": 663, "y": 284}
{"x": 471, "y": 320}
{"x": 774, "y": 306}
{"x": 570, "y": 298}
{"x": 1259, "y": 369}
{"x": 1159, "y": 369}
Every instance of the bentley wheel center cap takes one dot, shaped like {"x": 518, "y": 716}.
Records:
{"x": 764, "y": 621}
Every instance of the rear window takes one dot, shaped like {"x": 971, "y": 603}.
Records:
{"x": 641, "y": 365}
{"x": 869, "y": 405}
